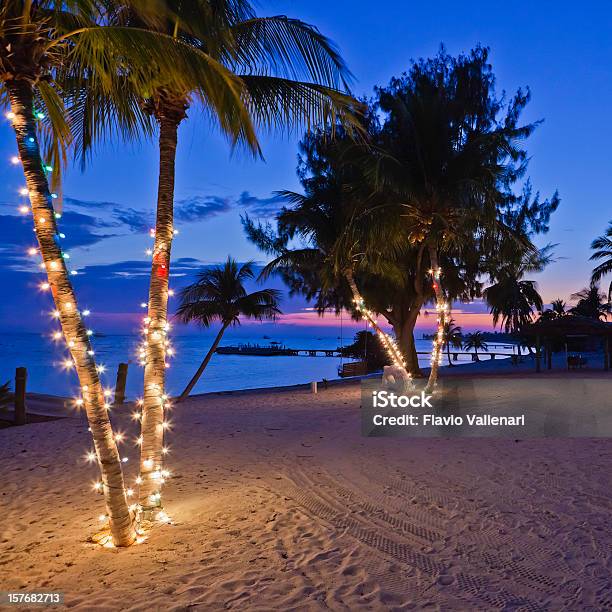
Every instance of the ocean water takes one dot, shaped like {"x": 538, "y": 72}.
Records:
{"x": 43, "y": 359}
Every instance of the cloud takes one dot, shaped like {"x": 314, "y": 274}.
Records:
{"x": 137, "y": 221}
{"x": 89, "y": 204}
{"x": 79, "y": 230}
{"x": 260, "y": 207}
{"x": 198, "y": 208}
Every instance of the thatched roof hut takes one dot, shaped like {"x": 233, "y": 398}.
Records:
{"x": 566, "y": 328}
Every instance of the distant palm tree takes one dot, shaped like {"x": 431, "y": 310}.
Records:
{"x": 219, "y": 295}
{"x": 558, "y": 307}
{"x": 591, "y": 303}
{"x": 603, "y": 244}
{"x": 475, "y": 341}
{"x": 556, "y": 311}
{"x": 452, "y": 337}
{"x": 512, "y": 299}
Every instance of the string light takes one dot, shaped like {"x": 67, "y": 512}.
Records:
{"x": 387, "y": 342}
{"x": 442, "y": 310}
{"x": 74, "y": 344}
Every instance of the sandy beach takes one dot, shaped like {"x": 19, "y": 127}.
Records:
{"x": 278, "y": 503}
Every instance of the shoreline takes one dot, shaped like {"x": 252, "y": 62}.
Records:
{"x": 53, "y": 406}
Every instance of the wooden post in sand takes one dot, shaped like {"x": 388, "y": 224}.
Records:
{"x": 122, "y": 371}
{"x": 313, "y": 387}
{"x": 21, "y": 375}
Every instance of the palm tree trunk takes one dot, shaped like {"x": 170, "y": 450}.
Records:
{"x": 156, "y": 330}
{"x": 204, "y": 363}
{"x": 388, "y": 343}
{"x": 404, "y": 332}
{"x": 448, "y": 352}
{"x": 441, "y": 311}
{"x": 73, "y": 328}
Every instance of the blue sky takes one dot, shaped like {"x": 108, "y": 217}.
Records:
{"x": 561, "y": 50}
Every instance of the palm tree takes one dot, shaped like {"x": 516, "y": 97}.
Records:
{"x": 452, "y": 337}
{"x": 558, "y": 307}
{"x": 511, "y": 299}
{"x": 603, "y": 244}
{"x": 591, "y": 303}
{"x": 475, "y": 341}
{"x": 49, "y": 50}
{"x": 263, "y": 60}
{"x": 556, "y": 311}
{"x": 219, "y": 295}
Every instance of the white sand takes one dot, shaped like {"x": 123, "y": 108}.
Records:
{"x": 279, "y": 504}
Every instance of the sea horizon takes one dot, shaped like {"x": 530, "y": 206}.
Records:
{"x": 44, "y": 360}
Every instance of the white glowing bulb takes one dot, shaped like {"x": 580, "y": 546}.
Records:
{"x": 138, "y": 480}
{"x": 71, "y": 343}
{"x": 135, "y": 416}
{"x": 57, "y": 335}
{"x": 102, "y": 517}
{"x": 165, "y": 474}
{"x": 170, "y": 292}
{"x": 68, "y": 305}
{"x": 90, "y": 352}
{"x": 24, "y": 191}
{"x": 108, "y": 392}
{"x": 86, "y": 313}
{"x": 100, "y": 369}
{"x": 165, "y": 450}
{"x": 24, "y": 210}
{"x": 78, "y": 402}
{"x": 129, "y": 492}
{"x": 89, "y": 332}
{"x": 32, "y": 251}
{"x": 165, "y": 425}
{"x": 148, "y": 252}
{"x": 97, "y": 486}
{"x": 143, "y": 304}
{"x": 68, "y": 364}
{"x": 91, "y": 457}
{"x": 10, "y": 116}
{"x": 118, "y": 437}
{"x": 55, "y": 314}
{"x": 148, "y": 463}
{"x": 45, "y": 286}
{"x": 124, "y": 460}
{"x": 139, "y": 440}
{"x": 140, "y": 402}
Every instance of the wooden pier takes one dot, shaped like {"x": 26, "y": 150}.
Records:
{"x": 302, "y": 352}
